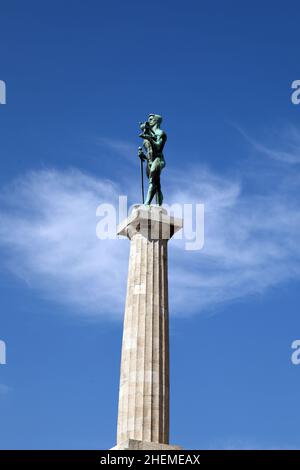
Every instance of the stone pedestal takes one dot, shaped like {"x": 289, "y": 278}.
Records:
{"x": 131, "y": 444}
{"x": 143, "y": 418}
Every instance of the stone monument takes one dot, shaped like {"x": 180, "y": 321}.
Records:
{"x": 143, "y": 417}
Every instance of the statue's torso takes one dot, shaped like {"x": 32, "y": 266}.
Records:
{"x": 152, "y": 152}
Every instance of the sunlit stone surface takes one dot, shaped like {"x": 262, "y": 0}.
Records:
{"x": 143, "y": 418}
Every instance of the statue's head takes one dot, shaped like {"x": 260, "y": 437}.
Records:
{"x": 154, "y": 119}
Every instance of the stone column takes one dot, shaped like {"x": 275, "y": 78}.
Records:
{"x": 143, "y": 418}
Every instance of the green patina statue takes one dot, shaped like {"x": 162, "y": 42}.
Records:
{"x": 154, "y": 141}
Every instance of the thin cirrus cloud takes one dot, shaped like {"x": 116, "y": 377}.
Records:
{"x": 119, "y": 147}
{"x": 251, "y": 242}
{"x": 48, "y": 235}
{"x": 285, "y": 147}
{"x": 48, "y": 231}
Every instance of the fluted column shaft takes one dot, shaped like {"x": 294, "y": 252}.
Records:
{"x": 144, "y": 382}
{"x": 144, "y": 379}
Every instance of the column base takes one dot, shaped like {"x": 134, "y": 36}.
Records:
{"x": 133, "y": 444}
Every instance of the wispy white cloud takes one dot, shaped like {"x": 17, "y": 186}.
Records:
{"x": 251, "y": 241}
{"x": 285, "y": 147}
{"x": 48, "y": 227}
{"x": 120, "y": 148}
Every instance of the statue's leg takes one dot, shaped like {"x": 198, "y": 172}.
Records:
{"x": 159, "y": 192}
{"x": 154, "y": 182}
{"x": 152, "y": 189}
{"x": 150, "y": 194}
{"x": 160, "y": 196}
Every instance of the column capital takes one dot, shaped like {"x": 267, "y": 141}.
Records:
{"x": 152, "y": 222}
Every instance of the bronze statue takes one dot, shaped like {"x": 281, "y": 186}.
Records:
{"x": 154, "y": 141}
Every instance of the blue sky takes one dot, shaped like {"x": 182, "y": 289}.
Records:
{"x": 80, "y": 76}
